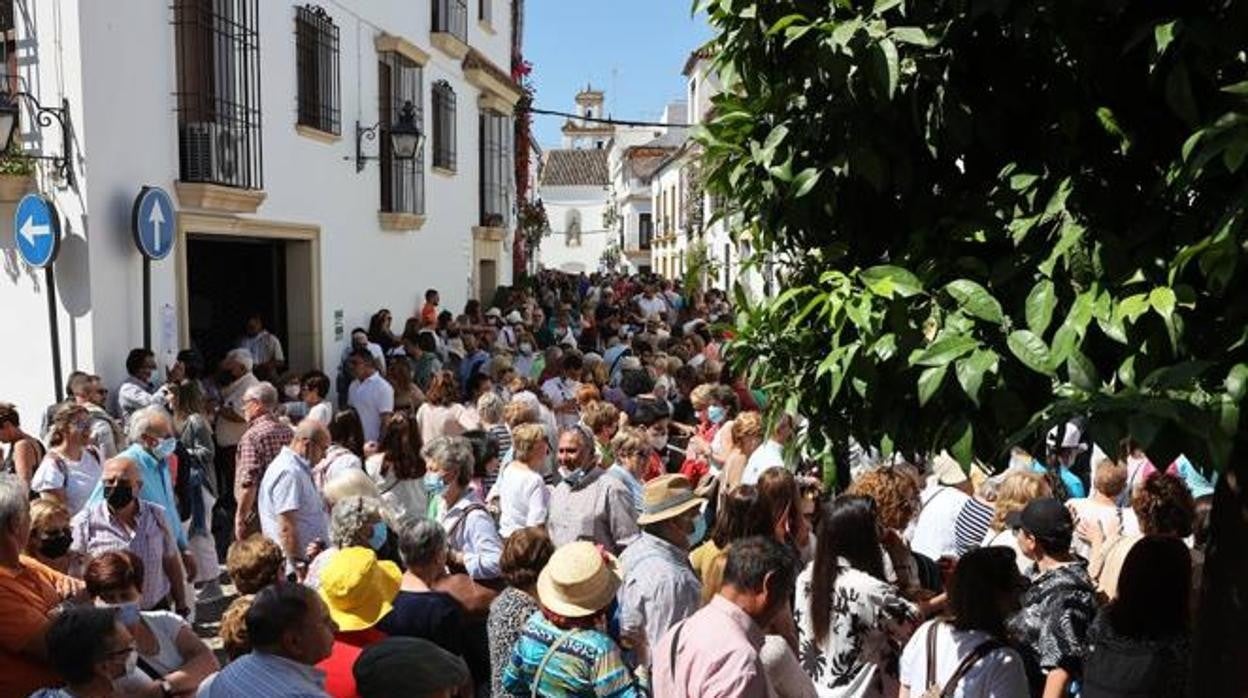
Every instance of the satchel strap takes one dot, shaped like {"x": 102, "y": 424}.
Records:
{"x": 541, "y": 668}
{"x": 931, "y": 654}
{"x": 981, "y": 650}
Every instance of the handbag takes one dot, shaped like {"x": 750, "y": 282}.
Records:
{"x": 933, "y": 690}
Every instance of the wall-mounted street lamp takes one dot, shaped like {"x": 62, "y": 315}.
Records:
{"x": 10, "y": 107}
{"x": 406, "y": 138}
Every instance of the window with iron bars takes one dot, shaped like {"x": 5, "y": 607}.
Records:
{"x": 496, "y": 132}
{"x": 485, "y": 11}
{"x": 402, "y": 181}
{"x": 443, "y": 104}
{"x": 645, "y": 231}
{"x": 316, "y": 67}
{"x": 218, "y": 92}
{"x": 451, "y": 16}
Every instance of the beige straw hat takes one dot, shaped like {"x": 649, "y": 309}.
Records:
{"x": 579, "y": 580}
{"x": 667, "y": 496}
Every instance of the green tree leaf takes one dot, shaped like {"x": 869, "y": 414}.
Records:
{"x": 1237, "y": 382}
{"x": 886, "y": 280}
{"x": 929, "y": 382}
{"x": 1163, "y": 301}
{"x": 970, "y": 371}
{"x": 945, "y": 350}
{"x": 1040, "y": 305}
{"x": 886, "y": 66}
{"x": 1132, "y": 307}
{"x": 805, "y": 181}
{"x": 1031, "y": 350}
{"x": 976, "y": 300}
{"x": 1163, "y": 34}
{"x": 1082, "y": 371}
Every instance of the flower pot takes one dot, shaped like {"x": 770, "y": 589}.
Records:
{"x": 14, "y": 187}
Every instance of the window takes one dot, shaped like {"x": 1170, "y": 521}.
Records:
{"x": 316, "y": 67}
{"x": 495, "y": 168}
{"x": 451, "y": 17}
{"x": 218, "y": 97}
{"x": 443, "y": 104}
{"x": 485, "y": 11}
{"x": 402, "y": 181}
{"x": 8, "y": 47}
{"x": 645, "y": 231}
{"x": 572, "y": 229}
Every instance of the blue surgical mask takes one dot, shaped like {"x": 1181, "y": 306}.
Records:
{"x": 699, "y": 531}
{"x": 575, "y": 477}
{"x": 378, "y": 538}
{"x": 165, "y": 447}
{"x": 434, "y": 484}
{"x": 716, "y": 414}
{"x": 127, "y": 613}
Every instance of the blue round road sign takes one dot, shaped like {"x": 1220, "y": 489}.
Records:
{"x": 37, "y": 229}
{"x": 151, "y": 221}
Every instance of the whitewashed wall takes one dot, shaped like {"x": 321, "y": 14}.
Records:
{"x": 115, "y": 62}
{"x": 591, "y": 202}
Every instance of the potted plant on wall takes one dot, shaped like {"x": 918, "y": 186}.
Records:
{"x": 17, "y": 174}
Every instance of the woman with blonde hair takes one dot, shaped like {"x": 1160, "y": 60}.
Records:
{"x": 71, "y": 468}
{"x": 748, "y": 433}
{"x": 523, "y": 498}
{"x": 51, "y": 536}
{"x": 1017, "y": 489}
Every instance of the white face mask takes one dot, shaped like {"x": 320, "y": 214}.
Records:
{"x": 658, "y": 443}
{"x": 292, "y": 391}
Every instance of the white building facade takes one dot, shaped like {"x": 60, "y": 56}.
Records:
{"x": 573, "y": 187}
{"x": 246, "y": 112}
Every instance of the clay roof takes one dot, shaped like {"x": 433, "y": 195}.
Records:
{"x": 575, "y": 168}
{"x": 700, "y": 53}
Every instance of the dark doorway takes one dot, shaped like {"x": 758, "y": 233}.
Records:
{"x": 228, "y": 278}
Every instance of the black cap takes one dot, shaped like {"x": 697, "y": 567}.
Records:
{"x": 1045, "y": 518}
{"x": 407, "y": 666}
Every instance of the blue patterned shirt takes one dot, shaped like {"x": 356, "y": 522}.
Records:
{"x": 587, "y": 663}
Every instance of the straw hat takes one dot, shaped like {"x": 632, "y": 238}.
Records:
{"x": 578, "y": 581}
{"x": 358, "y": 588}
{"x": 514, "y": 318}
{"x": 667, "y": 496}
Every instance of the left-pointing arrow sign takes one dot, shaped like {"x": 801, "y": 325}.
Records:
{"x": 29, "y": 231}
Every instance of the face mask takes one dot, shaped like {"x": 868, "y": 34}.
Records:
{"x": 658, "y": 443}
{"x": 716, "y": 414}
{"x": 526, "y": 348}
{"x": 575, "y": 478}
{"x": 699, "y": 531}
{"x": 434, "y": 484}
{"x": 292, "y": 391}
{"x": 119, "y": 496}
{"x": 56, "y": 546}
{"x": 378, "y": 538}
{"x": 127, "y": 613}
{"x": 132, "y": 661}
{"x": 165, "y": 447}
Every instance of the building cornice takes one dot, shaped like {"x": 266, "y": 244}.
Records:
{"x": 214, "y": 197}
{"x": 389, "y": 43}
{"x": 481, "y": 73}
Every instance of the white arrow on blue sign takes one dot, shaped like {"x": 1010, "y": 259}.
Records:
{"x": 37, "y": 228}
{"x": 152, "y": 221}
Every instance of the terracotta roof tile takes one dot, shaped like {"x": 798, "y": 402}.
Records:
{"x": 575, "y": 168}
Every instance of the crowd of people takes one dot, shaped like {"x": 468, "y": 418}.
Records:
{"x": 564, "y": 493}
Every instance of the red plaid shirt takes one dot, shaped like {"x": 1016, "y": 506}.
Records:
{"x": 261, "y": 443}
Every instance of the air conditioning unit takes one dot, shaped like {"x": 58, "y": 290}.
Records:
{"x": 209, "y": 152}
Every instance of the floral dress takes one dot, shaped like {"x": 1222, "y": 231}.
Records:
{"x": 870, "y": 624}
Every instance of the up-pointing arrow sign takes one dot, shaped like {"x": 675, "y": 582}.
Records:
{"x": 153, "y": 209}
{"x": 38, "y": 230}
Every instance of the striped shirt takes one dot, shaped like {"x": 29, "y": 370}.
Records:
{"x": 264, "y": 675}
{"x": 585, "y": 663}
{"x": 97, "y": 530}
{"x": 971, "y": 525}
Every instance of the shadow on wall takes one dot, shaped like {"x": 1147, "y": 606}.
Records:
{"x": 73, "y": 276}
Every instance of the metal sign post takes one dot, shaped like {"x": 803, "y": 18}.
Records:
{"x": 37, "y": 227}
{"x": 153, "y": 209}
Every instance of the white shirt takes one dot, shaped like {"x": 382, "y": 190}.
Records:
{"x": 767, "y": 456}
{"x": 935, "y": 531}
{"x": 323, "y": 413}
{"x": 287, "y": 488}
{"x": 1106, "y": 515}
{"x": 651, "y": 306}
{"x": 83, "y": 474}
{"x": 165, "y": 627}
{"x": 371, "y": 399}
{"x": 560, "y": 391}
{"x": 264, "y": 348}
{"x": 998, "y": 674}
{"x": 523, "y": 499}
{"x": 404, "y": 500}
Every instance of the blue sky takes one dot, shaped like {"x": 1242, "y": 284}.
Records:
{"x": 632, "y": 50}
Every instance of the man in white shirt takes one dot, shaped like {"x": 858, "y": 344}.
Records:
{"x": 947, "y": 491}
{"x": 651, "y": 304}
{"x": 370, "y": 394}
{"x": 266, "y": 350}
{"x": 770, "y": 454}
{"x": 292, "y": 512}
{"x": 561, "y": 390}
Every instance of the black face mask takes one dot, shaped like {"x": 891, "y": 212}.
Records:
{"x": 119, "y": 495}
{"x": 56, "y": 546}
